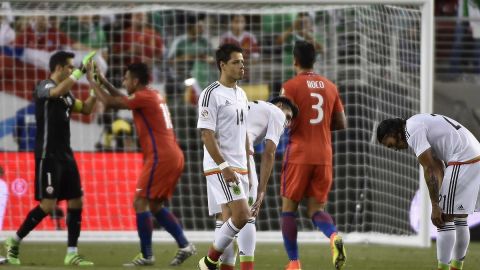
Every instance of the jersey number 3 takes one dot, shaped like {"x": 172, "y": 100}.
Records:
{"x": 318, "y": 108}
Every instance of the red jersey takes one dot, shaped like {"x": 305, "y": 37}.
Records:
{"x": 310, "y": 137}
{"x": 246, "y": 41}
{"x": 154, "y": 127}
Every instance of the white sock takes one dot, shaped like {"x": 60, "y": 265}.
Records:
{"x": 229, "y": 255}
{"x": 445, "y": 242}
{"x": 72, "y": 250}
{"x": 463, "y": 239}
{"x": 246, "y": 239}
{"x": 224, "y": 235}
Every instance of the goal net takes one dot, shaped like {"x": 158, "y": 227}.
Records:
{"x": 376, "y": 53}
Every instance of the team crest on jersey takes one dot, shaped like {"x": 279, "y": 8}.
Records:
{"x": 204, "y": 113}
{"x": 49, "y": 190}
{"x": 236, "y": 190}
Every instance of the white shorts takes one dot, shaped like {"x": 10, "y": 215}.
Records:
{"x": 459, "y": 193}
{"x": 220, "y": 192}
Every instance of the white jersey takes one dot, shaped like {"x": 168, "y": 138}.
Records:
{"x": 265, "y": 122}
{"x": 225, "y": 111}
{"x": 449, "y": 140}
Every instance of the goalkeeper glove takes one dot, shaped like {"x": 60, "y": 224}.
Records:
{"x": 78, "y": 73}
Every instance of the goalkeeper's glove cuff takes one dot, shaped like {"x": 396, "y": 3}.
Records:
{"x": 76, "y": 74}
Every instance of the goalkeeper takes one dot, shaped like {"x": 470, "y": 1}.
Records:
{"x": 163, "y": 158}
{"x": 56, "y": 172}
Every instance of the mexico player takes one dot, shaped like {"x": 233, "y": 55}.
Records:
{"x": 163, "y": 158}
{"x": 307, "y": 165}
{"x": 454, "y": 190}
{"x": 265, "y": 123}
{"x": 56, "y": 172}
{"x": 223, "y": 112}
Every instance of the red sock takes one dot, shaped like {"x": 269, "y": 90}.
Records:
{"x": 214, "y": 254}
{"x": 246, "y": 265}
{"x": 226, "y": 267}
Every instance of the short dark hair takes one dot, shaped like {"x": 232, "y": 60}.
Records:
{"x": 304, "y": 53}
{"x": 287, "y": 102}
{"x": 390, "y": 127}
{"x": 59, "y": 58}
{"x": 223, "y": 53}
{"x": 139, "y": 71}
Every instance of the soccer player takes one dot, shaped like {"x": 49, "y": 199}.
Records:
{"x": 56, "y": 172}
{"x": 454, "y": 191}
{"x": 163, "y": 158}
{"x": 223, "y": 112}
{"x": 265, "y": 123}
{"x": 307, "y": 164}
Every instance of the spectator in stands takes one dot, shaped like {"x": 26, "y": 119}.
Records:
{"x": 244, "y": 39}
{"x": 42, "y": 34}
{"x": 190, "y": 56}
{"x": 87, "y": 30}
{"x": 239, "y": 36}
{"x": 301, "y": 30}
{"x": 140, "y": 42}
{"x": 25, "y": 128}
{"x": 7, "y": 34}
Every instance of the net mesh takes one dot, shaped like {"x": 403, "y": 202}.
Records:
{"x": 372, "y": 52}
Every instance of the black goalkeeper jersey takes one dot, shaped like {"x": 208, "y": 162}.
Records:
{"x": 53, "y": 122}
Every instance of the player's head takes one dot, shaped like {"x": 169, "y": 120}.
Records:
{"x": 61, "y": 64}
{"x": 391, "y": 133}
{"x": 287, "y": 106}
{"x": 304, "y": 55}
{"x": 230, "y": 61}
{"x": 238, "y": 23}
{"x": 136, "y": 77}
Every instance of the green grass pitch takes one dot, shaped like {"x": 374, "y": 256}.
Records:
{"x": 268, "y": 256}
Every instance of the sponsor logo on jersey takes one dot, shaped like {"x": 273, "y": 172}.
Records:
{"x": 461, "y": 207}
{"x": 49, "y": 190}
{"x": 49, "y": 85}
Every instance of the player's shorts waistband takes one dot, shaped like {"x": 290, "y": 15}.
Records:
{"x": 471, "y": 161}
{"x": 216, "y": 171}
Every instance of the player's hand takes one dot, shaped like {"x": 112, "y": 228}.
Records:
{"x": 256, "y": 206}
{"x": 230, "y": 176}
{"x": 90, "y": 71}
{"x": 87, "y": 59}
{"x": 437, "y": 218}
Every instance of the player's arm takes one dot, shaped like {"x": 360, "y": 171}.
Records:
{"x": 210, "y": 142}
{"x": 65, "y": 86}
{"x": 339, "y": 121}
{"x": 117, "y": 102}
{"x": 85, "y": 107}
{"x": 433, "y": 173}
{"x": 107, "y": 85}
{"x": 266, "y": 166}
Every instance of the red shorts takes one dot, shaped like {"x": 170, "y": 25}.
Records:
{"x": 306, "y": 180}
{"x": 158, "y": 181}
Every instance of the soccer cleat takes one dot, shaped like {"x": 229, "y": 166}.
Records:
{"x": 73, "y": 258}
{"x": 183, "y": 254}
{"x": 339, "y": 255}
{"x": 3, "y": 260}
{"x": 12, "y": 247}
{"x": 139, "y": 260}
{"x": 206, "y": 264}
{"x": 293, "y": 265}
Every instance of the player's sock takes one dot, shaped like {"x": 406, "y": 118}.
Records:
{"x": 442, "y": 266}
{"x": 171, "y": 224}
{"x": 289, "y": 232}
{"x": 226, "y": 267}
{"x": 74, "y": 224}
{"x": 34, "y": 217}
{"x": 462, "y": 234}
{"x": 456, "y": 265}
{"x": 445, "y": 241}
{"x": 229, "y": 257}
{"x": 144, "y": 229}
{"x": 324, "y": 222}
{"x": 223, "y": 237}
{"x": 247, "y": 238}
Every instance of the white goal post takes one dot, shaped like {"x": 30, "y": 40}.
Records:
{"x": 379, "y": 53}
